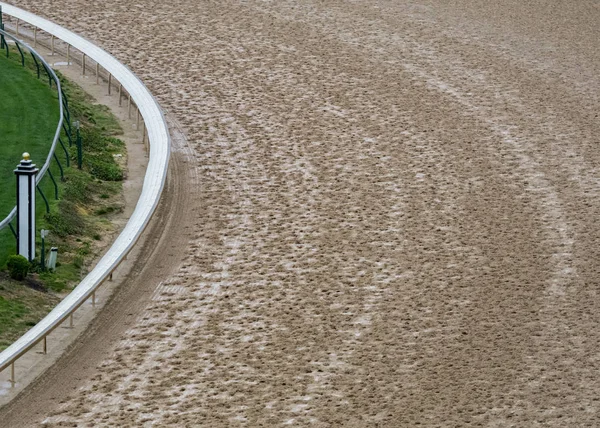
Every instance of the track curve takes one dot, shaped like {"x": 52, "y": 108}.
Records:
{"x": 385, "y": 215}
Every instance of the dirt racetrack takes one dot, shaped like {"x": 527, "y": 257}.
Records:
{"x": 386, "y": 214}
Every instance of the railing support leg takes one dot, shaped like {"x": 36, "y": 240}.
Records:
{"x": 12, "y": 375}
{"x": 83, "y": 62}
{"x": 45, "y": 345}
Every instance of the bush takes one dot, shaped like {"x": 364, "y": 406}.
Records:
{"x": 18, "y": 266}
{"x": 67, "y": 221}
{"x": 104, "y": 169}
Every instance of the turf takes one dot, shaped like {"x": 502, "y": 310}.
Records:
{"x": 29, "y": 113}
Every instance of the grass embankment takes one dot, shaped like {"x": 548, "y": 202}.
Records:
{"x": 78, "y": 220}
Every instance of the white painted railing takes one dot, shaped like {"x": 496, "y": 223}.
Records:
{"x": 159, "y": 142}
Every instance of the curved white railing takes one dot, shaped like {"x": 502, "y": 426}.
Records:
{"x": 159, "y": 141}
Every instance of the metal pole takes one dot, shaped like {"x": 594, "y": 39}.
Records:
{"x": 71, "y": 320}
{"x": 109, "y": 82}
{"x": 83, "y": 62}
{"x": 79, "y": 146}
{"x": 35, "y": 37}
{"x": 137, "y": 118}
{"x": 97, "y": 73}
{"x": 43, "y": 255}
{"x": 68, "y": 54}
{"x": 18, "y": 20}
{"x": 129, "y": 107}
{"x": 12, "y": 374}
{"x": 45, "y": 345}
{"x": 94, "y": 298}
{"x": 52, "y": 44}
{"x": 120, "y": 90}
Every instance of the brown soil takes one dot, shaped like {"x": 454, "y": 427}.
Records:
{"x": 386, "y": 215}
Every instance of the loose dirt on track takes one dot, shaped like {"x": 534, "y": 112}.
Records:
{"x": 385, "y": 214}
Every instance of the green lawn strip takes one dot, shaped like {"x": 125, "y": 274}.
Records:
{"x": 88, "y": 197}
{"x": 29, "y": 114}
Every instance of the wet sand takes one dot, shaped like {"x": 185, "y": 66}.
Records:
{"x": 387, "y": 214}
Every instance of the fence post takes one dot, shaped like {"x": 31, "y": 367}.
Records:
{"x": 79, "y": 148}
{"x": 26, "y": 173}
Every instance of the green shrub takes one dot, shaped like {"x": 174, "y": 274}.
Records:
{"x": 67, "y": 221}
{"x": 77, "y": 190}
{"x": 103, "y": 169}
{"x": 18, "y": 267}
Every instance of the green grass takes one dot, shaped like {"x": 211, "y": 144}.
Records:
{"x": 21, "y": 307}
{"x": 29, "y": 114}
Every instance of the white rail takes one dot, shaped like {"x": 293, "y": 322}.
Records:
{"x": 159, "y": 141}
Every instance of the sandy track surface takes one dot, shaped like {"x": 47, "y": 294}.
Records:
{"x": 386, "y": 215}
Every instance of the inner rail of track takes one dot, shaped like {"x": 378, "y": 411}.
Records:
{"x": 156, "y": 130}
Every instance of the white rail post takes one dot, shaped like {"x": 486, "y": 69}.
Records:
{"x": 26, "y": 173}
